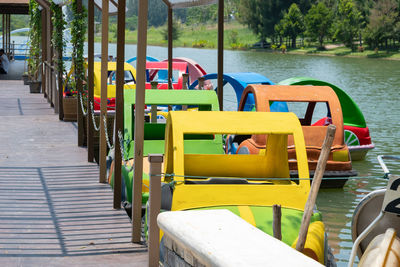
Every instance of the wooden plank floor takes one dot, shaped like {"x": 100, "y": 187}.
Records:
{"x": 53, "y": 211}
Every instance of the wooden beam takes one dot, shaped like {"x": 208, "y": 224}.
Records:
{"x": 49, "y": 57}
{"x": 115, "y": 4}
{"x": 220, "y": 54}
{"x": 79, "y": 87}
{"x": 139, "y": 121}
{"x": 103, "y": 101}
{"x": 90, "y": 99}
{"x": 45, "y": 4}
{"x": 4, "y": 32}
{"x": 119, "y": 102}
{"x": 170, "y": 44}
{"x": 44, "y": 52}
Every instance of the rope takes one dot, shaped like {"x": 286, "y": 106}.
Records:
{"x": 266, "y": 179}
{"x": 106, "y": 131}
{"x": 93, "y": 120}
{"x": 83, "y": 109}
{"x": 122, "y": 150}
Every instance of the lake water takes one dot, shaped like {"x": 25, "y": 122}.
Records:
{"x": 373, "y": 84}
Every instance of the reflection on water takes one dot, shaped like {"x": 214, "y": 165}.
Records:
{"x": 373, "y": 84}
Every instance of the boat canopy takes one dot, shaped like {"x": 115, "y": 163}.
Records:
{"x": 239, "y": 81}
{"x": 352, "y": 115}
{"x": 148, "y": 58}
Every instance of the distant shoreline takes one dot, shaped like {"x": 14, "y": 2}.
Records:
{"x": 336, "y": 51}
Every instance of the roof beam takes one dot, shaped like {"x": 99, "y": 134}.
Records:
{"x": 43, "y": 3}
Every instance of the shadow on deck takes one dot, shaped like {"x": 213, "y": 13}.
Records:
{"x": 58, "y": 212}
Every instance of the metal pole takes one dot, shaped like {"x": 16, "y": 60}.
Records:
{"x": 170, "y": 44}
{"x": 103, "y": 101}
{"x": 139, "y": 121}
{"x": 119, "y": 102}
{"x": 220, "y": 53}
{"x": 90, "y": 129}
{"x": 154, "y": 209}
{"x": 79, "y": 87}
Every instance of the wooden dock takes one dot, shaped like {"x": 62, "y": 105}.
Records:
{"x": 53, "y": 211}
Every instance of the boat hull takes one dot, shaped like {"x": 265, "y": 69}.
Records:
{"x": 360, "y": 152}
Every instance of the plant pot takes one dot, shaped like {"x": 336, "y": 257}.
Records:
{"x": 25, "y": 78}
{"x": 35, "y": 87}
{"x": 70, "y": 107}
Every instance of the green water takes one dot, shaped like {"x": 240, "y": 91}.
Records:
{"x": 373, "y": 84}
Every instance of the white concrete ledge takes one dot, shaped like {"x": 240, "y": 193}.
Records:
{"x": 220, "y": 238}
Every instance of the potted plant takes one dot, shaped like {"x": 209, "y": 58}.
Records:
{"x": 70, "y": 100}
{"x": 25, "y": 78}
{"x": 34, "y": 48}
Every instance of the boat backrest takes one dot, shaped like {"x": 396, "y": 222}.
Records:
{"x": 154, "y": 133}
{"x": 314, "y": 135}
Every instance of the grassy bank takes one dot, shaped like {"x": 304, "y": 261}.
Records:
{"x": 393, "y": 54}
{"x": 237, "y": 36}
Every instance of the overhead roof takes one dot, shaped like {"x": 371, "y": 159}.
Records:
{"x": 14, "y": 6}
{"x": 188, "y": 3}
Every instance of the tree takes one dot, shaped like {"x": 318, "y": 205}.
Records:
{"x": 157, "y": 14}
{"x": 292, "y": 23}
{"x": 261, "y": 16}
{"x": 348, "y": 22}
{"x": 383, "y": 21}
{"x": 176, "y": 32}
{"x": 319, "y": 22}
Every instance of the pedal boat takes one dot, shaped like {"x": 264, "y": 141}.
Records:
{"x": 129, "y": 80}
{"x": 316, "y": 103}
{"x": 239, "y": 81}
{"x": 154, "y": 132}
{"x": 375, "y": 226}
{"x": 356, "y": 132}
{"x": 247, "y": 185}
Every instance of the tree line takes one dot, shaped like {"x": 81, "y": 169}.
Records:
{"x": 377, "y": 22}
{"x": 352, "y": 22}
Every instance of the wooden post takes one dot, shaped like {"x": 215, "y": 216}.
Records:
{"x": 277, "y": 216}
{"x": 153, "y": 108}
{"x": 201, "y": 83}
{"x": 60, "y": 86}
{"x": 139, "y": 121}
{"x": 154, "y": 208}
{"x": 103, "y": 101}
{"x": 79, "y": 88}
{"x": 3, "y": 16}
{"x": 185, "y": 79}
{"x": 90, "y": 98}
{"x": 170, "y": 44}
{"x": 50, "y": 53}
{"x": 312, "y": 197}
{"x": 220, "y": 87}
{"x": 119, "y": 102}
{"x": 44, "y": 53}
